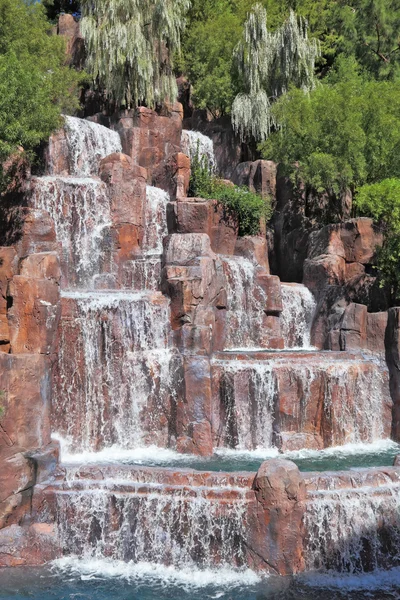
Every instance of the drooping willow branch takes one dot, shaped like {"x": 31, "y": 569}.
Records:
{"x": 130, "y": 47}
{"x": 267, "y": 64}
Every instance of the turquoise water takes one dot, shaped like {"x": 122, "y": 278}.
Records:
{"x": 378, "y": 454}
{"x": 69, "y": 584}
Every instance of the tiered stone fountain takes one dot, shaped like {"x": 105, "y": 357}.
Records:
{"x": 161, "y": 331}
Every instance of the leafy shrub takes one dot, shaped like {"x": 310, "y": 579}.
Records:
{"x": 381, "y": 201}
{"x": 344, "y": 134}
{"x": 35, "y": 85}
{"x": 248, "y": 207}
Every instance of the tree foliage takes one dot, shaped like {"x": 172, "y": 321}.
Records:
{"x": 345, "y": 133}
{"x": 35, "y": 86}
{"x": 130, "y": 46}
{"x": 267, "y": 64}
{"x": 381, "y": 201}
{"x": 55, "y": 7}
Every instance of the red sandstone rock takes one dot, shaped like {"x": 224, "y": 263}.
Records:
{"x": 353, "y": 328}
{"x": 281, "y": 494}
{"x": 183, "y": 249}
{"x": 28, "y": 546}
{"x": 151, "y": 140}
{"x": 34, "y": 315}
{"x": 127, "y": 183}
{"x": 30, "y": 231}
{"x": 326, "y": 270}
{"x": 255, "y": 248}
{"x": 290, "y": 441}
{"x": 195, "y": 215}
{"x": 43, "y": 265}
{"x": 259, "y": 176}
{"x": 69, "y": 28}
{"x": 376, "y": 331}
{"x": 393, "y": 361}
{"x": 25, "y": 381}
{"x": 173, "y": 175}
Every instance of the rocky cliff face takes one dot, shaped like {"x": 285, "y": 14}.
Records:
{"x": 132, "y": 315}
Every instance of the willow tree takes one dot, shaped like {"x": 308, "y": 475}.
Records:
{"x": 267, "y": 63}
{"x": 130, "y": 47}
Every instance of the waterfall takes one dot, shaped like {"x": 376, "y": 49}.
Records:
{"x": 258, "y": 397}
{"x": 194, "y": 142}
{"x": 246, "y": 303}
{"x": 114, "y": 381}
{"x": 80, "y": 209}
{"x": 156, "y": 220}
{"x": 248, "y": 424}
{"x": 353, "y": 530}
{"x": 296, "y": 317}
{"x": 129, "y": 522}
{"x": 87, "y": 144}
{"x": 354, "y": 398}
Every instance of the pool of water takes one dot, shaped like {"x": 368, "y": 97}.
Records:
{"x": 103, "y": 580}
{"x": 352, "y": 456}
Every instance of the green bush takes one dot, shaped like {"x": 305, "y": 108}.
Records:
{"x": 248, "y": 207}
{"x": 381, "y": 201}
{"x": 35, "y": 85}
{"x": 344, "y": 134}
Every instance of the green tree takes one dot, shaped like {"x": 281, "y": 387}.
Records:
{"x": 130, "y": 46}
{"x": 381, "y": 201}
{"x": 35, "y": 86}
{"x": 55, "y": 7}
{"x": 267, "y": 64}
{"x": 208, "y": 49}
{"x": 369, "y": 30}
{"x": 343, "y": 134}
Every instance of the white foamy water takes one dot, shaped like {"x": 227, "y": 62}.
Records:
{"x": 87, "y": 144}
{"x": 194, "y": 142}
{"x": 155, "y": 220}
{"x": 152, "y": 572}
{"x": 114, "y": 383}
{"x": 115, "y": 454}
{"x": 246, "y": 303}
{"x": 296, "y": 317}
{"x": 80, "y": 209}
{"x": 354, "y": 399}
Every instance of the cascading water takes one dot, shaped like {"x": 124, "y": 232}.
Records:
{"x": 87, "y": 144}
{"x": 246, "y": 303}
{"x": 115, "y": 389}
{"x": 247, "y": 425}
{"x": 129, "y": 521}
{"x": 145, "y": 273}
{"x": 353, "y": 531}
{"x": 252, "y": 394}
{"x": 156, "y": 221}
{"x": 80, "y": 209}
{"x": 296, "y": 317}
{"x": 114, "y": 384}
{"x": 195, "y": 143}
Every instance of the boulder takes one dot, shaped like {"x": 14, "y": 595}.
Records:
{"x": 196, "y": 215}
{"x": 28, "y": 546}
{"x": 281, "y": 495}
{"x": 151, "y": 139}
{"x": 184, "y": 249}
{"x": 34, "y": 315}
{"x": 259, "y": 176}
{"x": 255, "y": 248}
